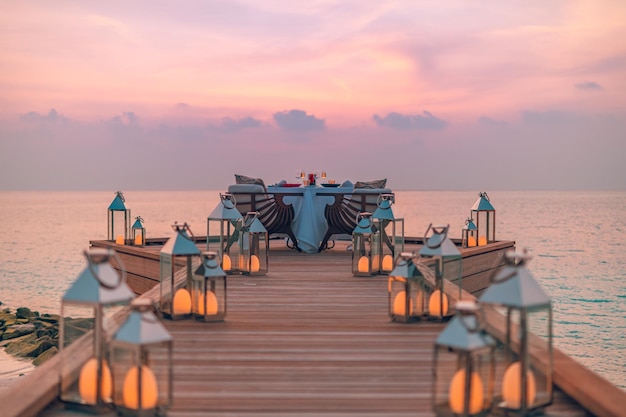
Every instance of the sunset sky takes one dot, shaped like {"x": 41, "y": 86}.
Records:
{"x": 456, "y": 95}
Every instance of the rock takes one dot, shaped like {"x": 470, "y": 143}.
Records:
{"x": 18, "y": 330}
{"x": 45, "y": 356}
{"x": 30, "y": 346}
{"x": 25, "y": 313}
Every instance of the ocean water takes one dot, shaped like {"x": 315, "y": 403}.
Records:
{"x": 578, "y": 241}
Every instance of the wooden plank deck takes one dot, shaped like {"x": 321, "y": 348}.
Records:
{"x": 308, "y": 339}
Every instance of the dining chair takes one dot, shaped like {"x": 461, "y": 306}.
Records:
{"x": 341, "y": 214}
{"x": 275, "y": 215}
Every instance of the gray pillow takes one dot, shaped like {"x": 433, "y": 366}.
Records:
{"x": 371, "y": 184}
{"x": 244, "y": 179}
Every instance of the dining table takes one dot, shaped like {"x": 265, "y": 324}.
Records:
{"x": 309, "y": 202}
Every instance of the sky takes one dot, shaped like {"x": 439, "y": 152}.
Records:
{"x": 431, "y": 95}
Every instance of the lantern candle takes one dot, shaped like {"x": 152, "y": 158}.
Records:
{"x": 364, "y": 264}
{"x": 471, "y": 241}
{"x": 88, "y": 381}
{"x": 226, "y": 263}
{"x": 149, "y": 391}
{"x": 399, "y": 304}
{"x": 182, "y": 302}
{"x": 119, "y": 240}
{"x": 457, "y": 393}
{"x": 211, "y": 303}
{"x": 387, "y": 263}
{"x": 255, "y": 263}
{"x": 138, "y": 240}
{"x": 512, "y": 383}
{"x": 438, "y": 304}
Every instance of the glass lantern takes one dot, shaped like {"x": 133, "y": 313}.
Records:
{"x": 483, "y": 215}
{"x": 444, "y": 260}
{"x": 254, "y": 245}
{"x": 176, "y": 258}
{"x": 365, "y": 246}
{"x": 209, "y": 290}
{"x": 118, "y": 220}
{"x": 391, "y": 229}
{"x": 464, "y": 365}
{"x": 88, "y": 312}
{"x": 469, "y": 234}
{"x": 139, "y": 232}
{"x": 223, "y": 232}
{"x": 141, "y": 363}
{"x": 527, "y": 377}
{"x": 408, "y": 290}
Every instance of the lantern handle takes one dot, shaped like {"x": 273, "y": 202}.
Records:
{"x": 120, "y": 264}
{"x": 183, "y": 230}
{"x": 437, "y": 230}
{"x": 385, "y": 197}
{"x": 465, "y": 309}
{"x": 139, "y": 219}
{"x": 513, "y": 259}
{"x": 121, "y": 196}
{"x": 228, "y": 200}
{"x": 483, "y": 194}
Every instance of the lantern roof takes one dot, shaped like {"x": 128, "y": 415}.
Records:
{"x": 226, "y": 209}
{"x": 364, "y": 224}
{"x": 180, "y": 244}
{"x": 464, "y": 330}
{"x": 483, "y": 203}
{"x": 118, "y": 202}
{"x": 470, "y": 225}
{"x": 405, "y": 267}
{"x": 138, "y": 223}
{"x": 514, "y": 286}
{"x": 438, "y": 244}
{"x": 99, "y": 283}
{"x": 252, "y": 224}
{"x": 384, "y": 211}
{"x": 142, "y": 326}
{"x": 210, "y": 266}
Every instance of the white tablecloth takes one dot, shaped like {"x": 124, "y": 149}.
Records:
{"x": 309, "y": 224}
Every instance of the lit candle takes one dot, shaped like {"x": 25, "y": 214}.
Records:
{"x": 457, "y": 393}
{"x": 387, "y": 263}
{"x": 211, "y": 304}
{"x": 471, "y": 241}
{"x": 364, "y": 264}
{"x": 512, "y": 386}
{"x": 482, "y": 240}
{"x": 226, "y": 263}
{"x": 255, "y": 263}
{"x": 399, "y": 304}
{"x": 138, "y": 240}
{"x": 149, "y": 389}
{"x": 182, "y": 302}
{"x": 88, "y": 380}
{"x": 438, "y": 304}
{"x": 119, "y": 240}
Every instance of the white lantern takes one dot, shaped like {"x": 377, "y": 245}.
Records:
{"x": 444, "y": 259}
{"x": 209, "y": 289}
{"x": 365, "y": 246}
{"x": 223, "y": 233}
{"x": 254, "y": 245}
{"x": 118, "y": 220}
{"x": 88, "y": 306}
{"x": 391, "y": 230}
{"x": 527, "y": 378}
{"x": 141, "y": 363}
{"x": 483, "y": 215}
{"x": 176, "y": 258}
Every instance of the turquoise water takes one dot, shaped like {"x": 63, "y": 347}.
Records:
{"x": 577, "y": 240}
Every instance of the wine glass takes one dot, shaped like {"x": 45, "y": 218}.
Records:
{"x": 300, "y": 175}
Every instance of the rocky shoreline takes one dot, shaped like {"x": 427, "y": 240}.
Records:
{"x": 30, "y": 335}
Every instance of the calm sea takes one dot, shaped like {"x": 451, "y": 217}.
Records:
{"x": 578, "y": 240}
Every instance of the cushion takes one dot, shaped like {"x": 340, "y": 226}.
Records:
{"x": 245, "y": 188}
{"x": 347, "y": 184}
{"x": 371, "y": 184}
{"x": 244, "y": 179}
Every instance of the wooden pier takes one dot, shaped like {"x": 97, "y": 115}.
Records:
{"x": 308, "y": 339}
